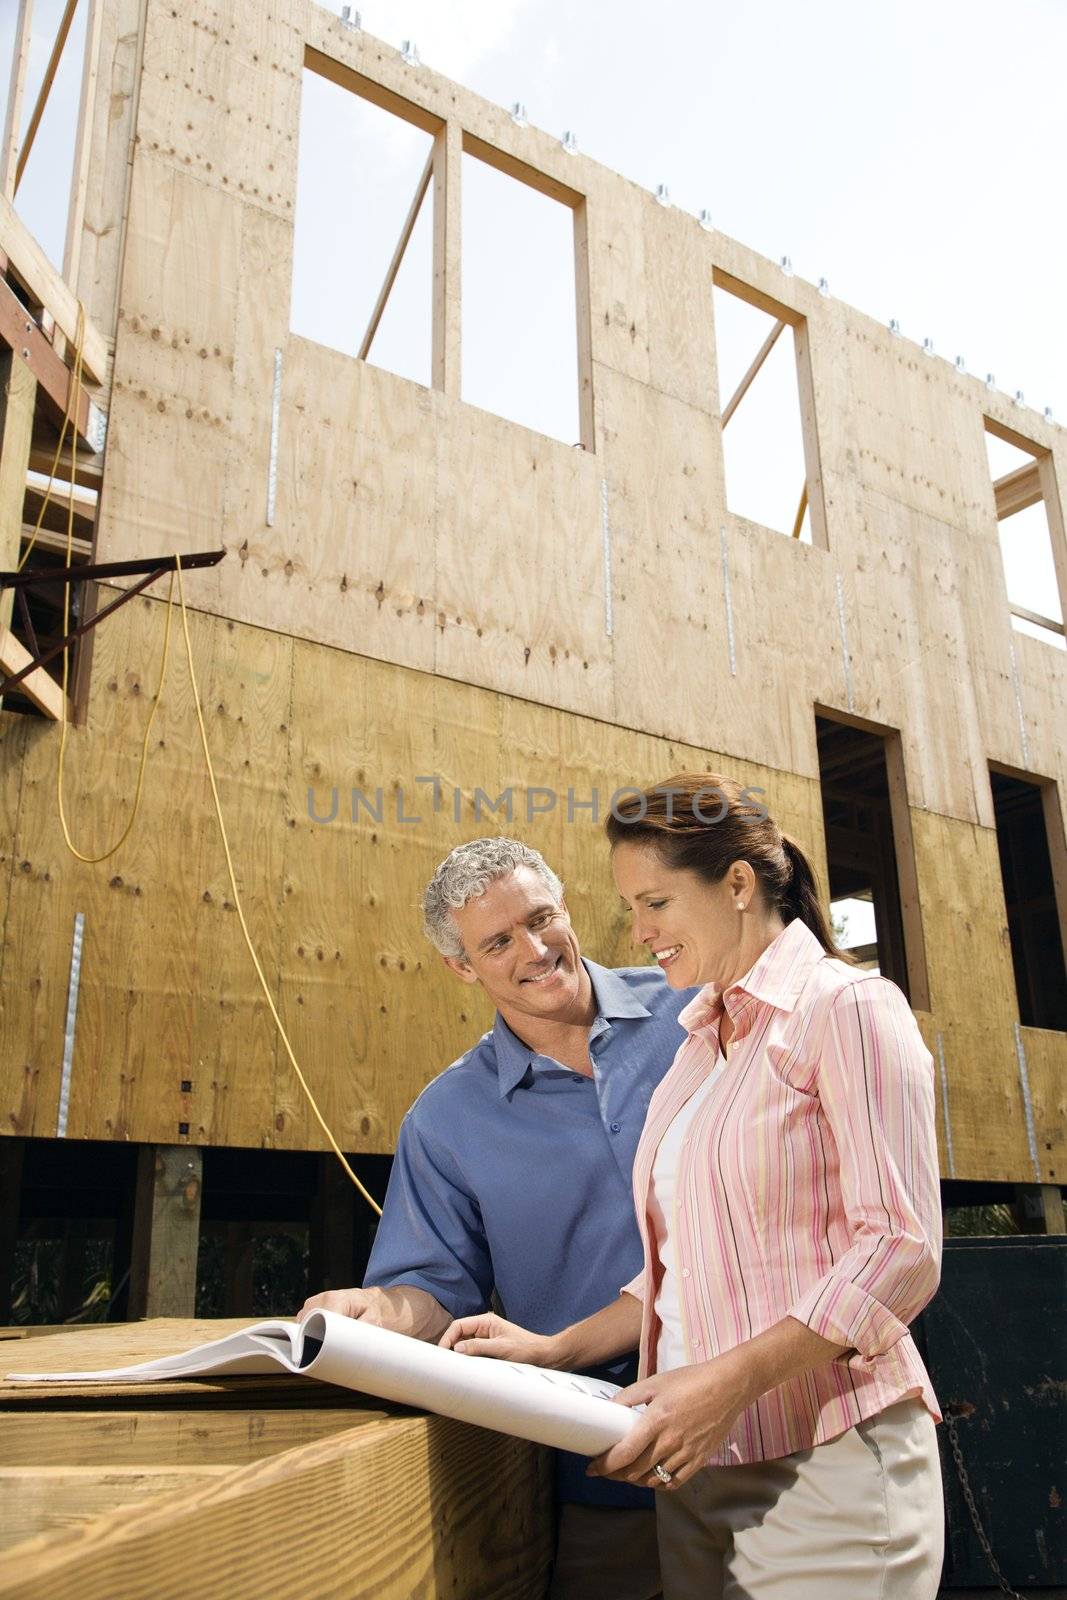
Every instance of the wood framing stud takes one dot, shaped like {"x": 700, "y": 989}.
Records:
{"x": 1017, "y": 490}
{"x": 447, "y": 265}
{"x": 21, "y": 335}
{"x": 45, "y": 90}
{"x": 166, "y": 1231}
{"x": 1039, "y": 1208}
{"x": 20, "y": 57}
{"x": 47, "y": 288}
{"x": 750, "y": 376}
{"x": 398, "y": 255}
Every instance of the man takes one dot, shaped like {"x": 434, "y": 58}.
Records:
{"x": 513, "y": 1168}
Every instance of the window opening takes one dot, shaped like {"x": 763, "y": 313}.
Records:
{"x": 1029, "y": 839}
{"x": 873, "y": 889}
{"x": 521, "y": 257}
{"x": 363, "y": 231}
{"x": 770, "y": 449}
{"x": 1030, "y": 524}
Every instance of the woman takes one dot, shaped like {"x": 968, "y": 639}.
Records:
{"x": 786, "y": 1187}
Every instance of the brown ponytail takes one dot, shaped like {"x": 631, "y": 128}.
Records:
{"x": 703, "y": 823}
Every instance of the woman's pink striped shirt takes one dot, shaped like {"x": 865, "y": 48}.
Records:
{"x": 807, "y": 1187}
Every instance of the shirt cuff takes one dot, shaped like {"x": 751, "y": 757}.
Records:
{"x": 839, "y": 1310}
{"x": 636, "y": 1286}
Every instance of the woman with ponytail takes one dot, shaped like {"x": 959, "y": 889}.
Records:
{"x": 787, "y": 1193}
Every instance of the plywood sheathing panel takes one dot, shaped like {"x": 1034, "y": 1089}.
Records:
{"x": 519, "y": 607}
{"x": 387, "y": 520}
{"x": 167, "y": 992}
{"x": 110, "y": 153}
{"x": 220, "y": 96}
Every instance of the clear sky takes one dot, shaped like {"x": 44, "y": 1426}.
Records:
{"x": 912, "y": 154}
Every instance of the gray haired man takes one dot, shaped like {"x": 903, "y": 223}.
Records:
{"x": 513, "y": 1167}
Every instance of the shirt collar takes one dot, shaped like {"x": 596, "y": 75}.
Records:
{"x": 777, "y": 977}
{"x": 614, "y": 999}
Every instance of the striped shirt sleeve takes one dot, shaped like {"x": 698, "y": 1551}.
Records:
{"x": 874, "y": 1081}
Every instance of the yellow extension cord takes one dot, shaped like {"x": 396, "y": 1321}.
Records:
{"x": 73, "y": 401}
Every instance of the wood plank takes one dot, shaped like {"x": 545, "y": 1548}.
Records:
{"x": 522, "y": 171}
{"x": 191, "y": 1437}
{"x": 38, "y": 686}
{"x": 1017, "y": 490}
{"x": 447, "y": 260}
{"x": 18, "y": 389}
{"x": 58, "y": 392}
{"x": 80, "y": 174}
{"x": 20, "y": 55}
{"x": 58, "y": 44}
{"x": 397, "y": 257}
{"x": 750, "y": 376}
{"x": 42, "y": 1500}
{"x": 411, "y": 1506}
{"x": 33, "y": 268}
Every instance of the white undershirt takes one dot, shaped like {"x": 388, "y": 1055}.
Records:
{"x": 670, "y": 1348}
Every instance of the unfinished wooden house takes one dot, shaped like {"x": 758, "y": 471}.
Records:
{"x": 415, "y": 620}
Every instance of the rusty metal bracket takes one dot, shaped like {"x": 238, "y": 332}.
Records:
{"x": 148, "y": 570}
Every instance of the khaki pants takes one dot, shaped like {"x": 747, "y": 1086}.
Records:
{"x": 604, "y": 1553}
{"x": 858, "y": 1518}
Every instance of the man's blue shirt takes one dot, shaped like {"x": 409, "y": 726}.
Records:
{"x": 513, "y": 1173}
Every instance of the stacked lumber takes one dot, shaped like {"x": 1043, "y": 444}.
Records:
{"x": 250, "y": 1487}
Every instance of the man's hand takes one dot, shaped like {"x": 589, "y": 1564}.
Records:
{"x": 489, "y": 1335}
{"x": 402, "y": 1309}
{"x": 690, "y": 1412}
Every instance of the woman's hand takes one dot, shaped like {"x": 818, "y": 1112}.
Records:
{"x": 489, "y": 1335}
{"x": 690, "y": 1412}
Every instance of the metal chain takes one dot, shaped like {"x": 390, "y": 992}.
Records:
{"x": 965, "y": 1484}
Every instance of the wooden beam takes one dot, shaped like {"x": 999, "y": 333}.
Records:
{"x": 447, "y": 263}
{"x": 45, "y": 89}
{"x": 398, "y": 255}
{"x": 20, "y": 56}
{"x": 48, "y": 289}
{"x": 20, "y": 334}
{"x": 82, "y": 147}
{"x": 746, "y": 382}
{"x": 36, "y": 1500}
{"x": 56, "y": 543}
{"x": 18, "y": 391}
{"x": 189, "y": 1436}
{"x": 512, "y": 167}
{"x": 88, "y": 466}
{"x": 1039, "y": 1208}
{"x": 809, "y": 431}
{"x": 166, "y": 1231}
{"x": 1017, "y": 490}
{"x": 377, "y": 93}
{"x": 914, "y": 941}
{"x": 755, "y": 297}
{"x": 583, "y": 317}
{"x": 798, "y": 520}
{"x": 412, "y": 1505}
{"x": 1057, "y": 522}
{"x": 1036, "y": 618}
{"x": 39, "y": 686}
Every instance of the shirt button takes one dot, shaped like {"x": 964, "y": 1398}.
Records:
{"x": 614, "y": 1127}
{"x": 698, "y": 1346}
{"x": 686, "y": 1272}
